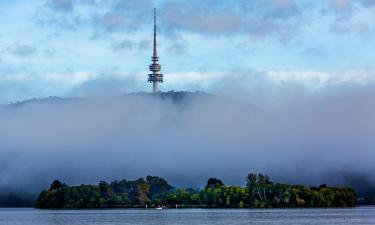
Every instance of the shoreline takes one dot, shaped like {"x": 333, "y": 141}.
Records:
{"x": 169, "y": 209}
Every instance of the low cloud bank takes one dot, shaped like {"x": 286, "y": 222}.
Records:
{"x": 289, "y": 133}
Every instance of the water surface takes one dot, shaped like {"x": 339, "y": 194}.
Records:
{"x": 360, "y": 215}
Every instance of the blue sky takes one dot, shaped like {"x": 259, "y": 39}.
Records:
{"x": 96, "y": 47}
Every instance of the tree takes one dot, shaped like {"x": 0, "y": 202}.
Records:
{"x": 259, "y": 193}
{"x": 158, "y": 186}
{"x": 251, "y": 180}
{"x": 56, "y": 184}
{"x": 214, "y": 183}
{"x": 103, "y": 187}
{"x": 143, "y": 189}
{"x": 263, "y": 179}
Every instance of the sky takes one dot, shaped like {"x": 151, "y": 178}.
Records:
{"x": 103, "y": 47}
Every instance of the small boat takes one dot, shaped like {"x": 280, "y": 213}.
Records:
{"x": 159, "y": 208}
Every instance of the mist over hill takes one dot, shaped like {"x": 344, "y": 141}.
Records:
{"x": 186, "y": 138}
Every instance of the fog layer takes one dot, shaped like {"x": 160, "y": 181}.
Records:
{"x": 307, "y": 138}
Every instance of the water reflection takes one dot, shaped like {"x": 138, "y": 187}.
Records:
{"x": 360, "y": 215}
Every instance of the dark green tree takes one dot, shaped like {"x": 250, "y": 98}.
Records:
{"x": 214, "y": 183}
{"x": 56, "y": 184}
{"x": 158, "y": 186}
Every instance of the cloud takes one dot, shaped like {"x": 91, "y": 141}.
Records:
{"x": 123, "y": 45}
{"x": 258, "y": 19}
{"x": 22, "y": 50}
{"x": 314, "y": 51}
{"x": 229, "y": 82}
{"x": 69, "y": 77}
{"x": 280, "y": 20}
{"x": 316, "y": 78}
{"x": 348, "y": 17}
{"x": 187, "y": 142}
{"x": 198, "y": 19}
{"x": 108, "y": 86}
{"x": 121, "y": 16}
{"x": 63, "y": 5}
{"x": 112, "y": 21}
{"x": 179, "y": 46}
{"x": 341, "y": 5}
{"x": 20, "y": 83}
{"x": 367, "y": 3}
{"x": 276, "y": 18}
{"x": 129, "y": 45}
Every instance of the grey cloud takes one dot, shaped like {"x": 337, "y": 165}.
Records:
{"x": 367, "y": 3}
{"x": 58, "y": 19}
{"x": 274, "y": 9}
{"x": 130, "y": 45}
{"x": 121, "y": 16}
{"x": 139, "y": 7}
{"x": 359, "y": 29}
{"x": 104, "y": 87}
{"x": 115, "y": 22}
{"x": 123, "y": 45}
{"x": 22, "y": 50}
{"x": 144, "y": 44}
{"x": 177, "y": 48}
{"x": 316, "y": 51}
{"x": 344, "y": 12}
{"x": 49, "y": 52}
{"x": 14, "y": 90}
{"x": 261, "y": 19}
{"x": 340, "y": 28}
{"x": 343, "y": 9}
{"x": 276, "y": 19}
{"x": 195, "y": 17}
{"x": 63, "y": 5}
{"x": 275, "y": 129}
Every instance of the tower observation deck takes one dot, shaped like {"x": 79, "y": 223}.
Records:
{"x": 155, "y": 77}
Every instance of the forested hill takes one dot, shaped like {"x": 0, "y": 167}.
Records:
{"x": 153, "y": 191}
{"x": 173, "y": 96}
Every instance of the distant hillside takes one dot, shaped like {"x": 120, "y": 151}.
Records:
{"x": 174, "y": 96}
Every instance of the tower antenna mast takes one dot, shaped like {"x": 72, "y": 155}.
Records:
{"x": 155, "y": 77}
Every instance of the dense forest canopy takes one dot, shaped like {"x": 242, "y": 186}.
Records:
{"x": 153, "y": 191}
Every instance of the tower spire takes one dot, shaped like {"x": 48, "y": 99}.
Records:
{"x": 155, "y": 47}
{"x": 155, "y": 68}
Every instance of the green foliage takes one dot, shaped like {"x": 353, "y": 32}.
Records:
{"x": 158, "y": 186}
{"x": 214, "y": 183}
{"x": 259, "y": 193}
{"x": 56, "y": 184}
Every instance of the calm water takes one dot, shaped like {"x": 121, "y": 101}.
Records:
{"x": 362, "y": 215}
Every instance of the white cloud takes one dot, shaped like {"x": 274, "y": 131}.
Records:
{"x": 70, "y": 78}
{"x": 212, "y": 81}
{"x": 321, "y": 78}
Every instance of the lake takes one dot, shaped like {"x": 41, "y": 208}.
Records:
{"x": 360, "y": 215}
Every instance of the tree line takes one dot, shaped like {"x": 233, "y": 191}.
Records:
{"x": 154, "y": 191}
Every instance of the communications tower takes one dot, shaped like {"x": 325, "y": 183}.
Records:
{"x": 155, "y": 77}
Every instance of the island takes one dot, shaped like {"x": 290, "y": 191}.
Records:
{"x": 154, "y": 191}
